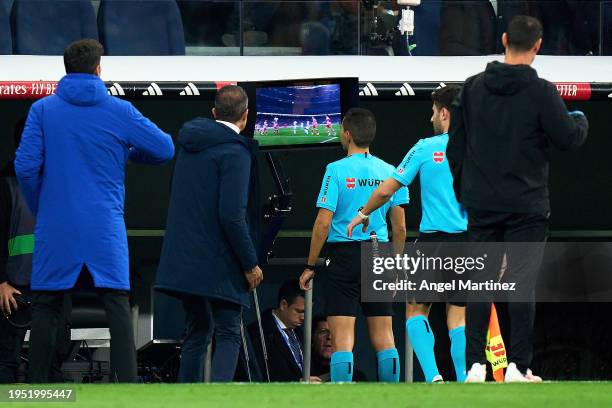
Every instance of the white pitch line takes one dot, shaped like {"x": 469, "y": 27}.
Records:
{"x": 325, "y": 141}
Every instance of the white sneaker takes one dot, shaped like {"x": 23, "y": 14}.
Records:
{"x": 438, "y": 379}
{"x": 513, "y": 375}
{"x": 477, "y": 374}
{"x": 532, "y": 377}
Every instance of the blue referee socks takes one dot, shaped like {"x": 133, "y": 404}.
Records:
{"x": 388, "y": 365}
{"x": 341, "y": 366}
{"x": 457, "y": 338}
{"x": 422, "y": 340}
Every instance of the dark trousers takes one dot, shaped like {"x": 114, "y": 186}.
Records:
{"x": 205, "y": 317}
{"x": 11, "y": 343}
{"x": 487, "y": 226}
{"x": 46, "y": 314}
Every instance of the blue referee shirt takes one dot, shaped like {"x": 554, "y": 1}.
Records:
{"x": 347, "y": 185}
{"x": 441, "y": 210}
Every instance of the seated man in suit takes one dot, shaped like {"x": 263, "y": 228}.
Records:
{"x": 281, "y": 327}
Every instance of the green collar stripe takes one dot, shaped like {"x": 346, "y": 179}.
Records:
{"x": 21, "y": 245}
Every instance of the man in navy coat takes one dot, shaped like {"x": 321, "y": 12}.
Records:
{"x": 209, "y": 257}
{"x": 71, "y": 169}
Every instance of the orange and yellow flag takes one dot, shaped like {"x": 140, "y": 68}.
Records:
{"x": 496, "y": 351}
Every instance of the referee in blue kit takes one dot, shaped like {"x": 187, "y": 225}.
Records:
{"x": 346, "y": 185}
{"x": 443, "y": 220}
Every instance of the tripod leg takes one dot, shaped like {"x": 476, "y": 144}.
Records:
{"x": 261, "y": 334}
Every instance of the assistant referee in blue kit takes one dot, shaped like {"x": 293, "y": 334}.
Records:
{"x": 347, "y": 184}
{"x": 443, "y": 220}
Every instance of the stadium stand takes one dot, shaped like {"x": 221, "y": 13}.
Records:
{"x": 6, "y": 45}
{"x": 467, "y": 28}
{"x": 35, "y": 25}
{"x": 607, "y": 29}
{"x": 315, "y": 39}
{"x": 141, "y": 27}
{"x": 427, "y": 27}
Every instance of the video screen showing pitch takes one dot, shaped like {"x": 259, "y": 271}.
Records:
{"x": 298, "y": 115}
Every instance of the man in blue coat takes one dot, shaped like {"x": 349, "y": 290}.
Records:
{"x": 71, "y": 167}
{"x": 209, "y": 258}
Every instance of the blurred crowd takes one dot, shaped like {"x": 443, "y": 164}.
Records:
{"x": 449, "y": 27}
{"x": 354, "y": 27}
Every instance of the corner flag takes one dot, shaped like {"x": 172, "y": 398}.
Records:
{"x": 496, "y": 351}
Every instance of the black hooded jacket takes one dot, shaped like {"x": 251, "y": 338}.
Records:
{"x": 503, "y": 125}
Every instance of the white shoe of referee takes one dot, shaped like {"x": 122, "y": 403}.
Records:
{"x": 477, "y": 374}
{"x": 513, "y": 375}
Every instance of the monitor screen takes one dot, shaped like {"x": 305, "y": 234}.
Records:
{"x": 298, "y": 115}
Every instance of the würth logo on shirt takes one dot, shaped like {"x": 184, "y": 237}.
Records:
{"x": 350, "y": 183}
{"x": 438, "y": 157}
{"x": 400, "y": 170}
{"x": 323, "y": 199}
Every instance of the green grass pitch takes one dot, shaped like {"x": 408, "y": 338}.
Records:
{"x": 286, "y": 137}
{"x": 364, "y": 395}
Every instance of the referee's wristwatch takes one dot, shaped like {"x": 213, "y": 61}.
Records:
{"x": 362, "y": 215}
{"x": 309, "y": 267}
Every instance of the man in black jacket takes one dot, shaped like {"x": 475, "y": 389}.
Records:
{"x": 504, "y": 124}
{"x": 209, "y": 256}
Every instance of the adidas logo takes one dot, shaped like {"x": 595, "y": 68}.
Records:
{"x": 153, "y": 89}
{"x": 368, "y": 90}
{"x": 405, "y": 90}
{"x": 116, "y": 90}
{"x": 190, "y": 90}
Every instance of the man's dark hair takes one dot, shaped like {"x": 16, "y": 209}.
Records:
{"x": 361, "y": 123}
{"x": 444, "y": 97}
{"x": 316, "y": 320}
{"x": 18, "y": 130}
{"x": 289, "y": 291}
{"x": 230, "y": 103}
{"x": 83, "y": 56}
{"x": 523, "y": 32}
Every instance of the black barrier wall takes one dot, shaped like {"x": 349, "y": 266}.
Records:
{"x": 581, "y": 189}
{"x": 581, "y": 194}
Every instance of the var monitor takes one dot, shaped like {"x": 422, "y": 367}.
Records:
{"x": 299, "y": 113}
